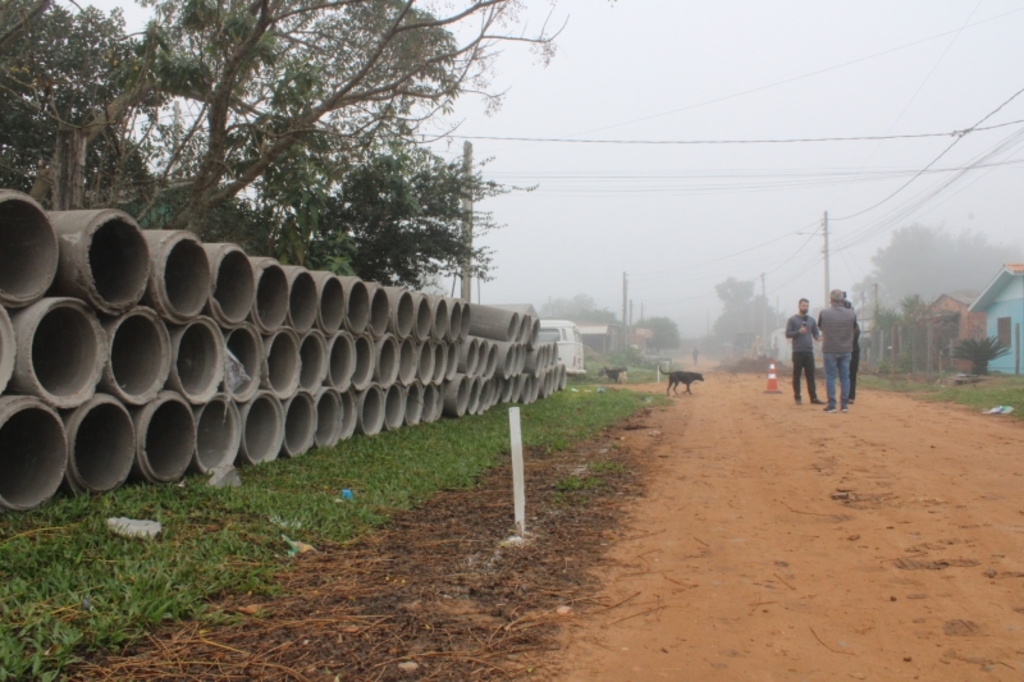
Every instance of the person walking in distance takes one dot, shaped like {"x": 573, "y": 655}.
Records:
{"x": 838, "y": 324}
{"x": 803, "y": 330}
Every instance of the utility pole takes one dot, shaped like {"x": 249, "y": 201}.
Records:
{"x": 825, "y": 302}
{"x": 630, "y": 313}
{"x": 764, "y": 311}
{"x": 877, "y": 347}
{"x": 625, "y": 289}
{"x": 467, "y": 222}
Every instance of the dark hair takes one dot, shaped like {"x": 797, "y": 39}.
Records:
{"x": 803, "y": 300}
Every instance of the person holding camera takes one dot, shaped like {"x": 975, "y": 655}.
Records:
{"x": 838, "y": 324}
{"x": 803, "y": 330}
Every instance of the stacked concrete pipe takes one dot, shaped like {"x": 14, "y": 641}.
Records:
{"x": 438, "y": 318}
{"x": 469, "y": 356}
{"x": 369, "y": 407}
{"x": 425, "y": 354}
{"x": 408, "y": 357}
{"x": 104, "y": 259}
{"x": 432, "y": 403}
{"x": 329, "y": 419}
{"x": 28, "y": 250}
{"x": 394, "y": 407}
{"x": 421, "y": 317}
{"x": 139, "y": 354}
{"x": 8, "y": 349}
{"x": 218, "y": 434}
{"x": 494, "y": 323}
{"x": 245, "y": 344}
{"x": 281, "y": 363}
{"x": 300, "y": 416}
{"x": 386, "y": 360}
{"x": 270, "y": 308}
{"x": 380, "y": 310}
{"x": 330, "y": 312}
{"x": 455, "y": 308}
{"x": 35, "y": 452}
{"x": 233, "y": 284}
{"x": 413, "y": 403}
{"x": 341, "y": 361}
{"x": 165, "y": 438}
{"x": 262, "y": 428}
{"x": 303, "y": 301}
{"x": 197, "y": 360}
{"x": 357, "y": 305}
{"x": 101, "y": 445}
{"x": 403, "y": 311}
{"x": 441, "y": 363}
{"x": 349, "y": 415}
{"x": 456, "y": 395}
{"x": 365, "y": 362}
{"x": 179, "y": 275}
{"x": 313, "y": 366}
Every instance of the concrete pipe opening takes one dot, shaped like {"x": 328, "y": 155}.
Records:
{"x": 104, "y": 259}
{"x": 408, "y": 359}
{"x": 386, "y": 367}
{"x": 438, "y": 319}
{"x": 165, "y": 437}
{"x": 394, "y": 407}
{"x": 262, "y": 428}
{"x": 33, "y": 452}
{"x": 303, "y": 301}
{"x": 517, "y": 388}
{"x": 499, "y": 324}
{"x": 370, "y": 410}
{"x": 280, "y": 373}
{"x": 529, "y": 384}
{"x": 312, "y": 361}
{"x": 520, "y": 358}
{"x": 28, "y": 250}
{"x": 328, "y": 417}
{"x": 454, "y": 320}
{"x": 218, "y": 434}
{"x": 357, "y": 305}
{"x": 425, "y": 362}
{"x": 505, "y": 359}
{"x": 440, "y": 365}
{"x": 380, "y": 311}
{"x": 341, "y": 361}
{"x": 330, "y": 314}
{"x": 270, "y": 308}
{"x": 403, "y": 311}
{"x": 179, "y": 276}
{"x": 413, "y": 404}
{"x": 563, "y": 376}
{"x": 246, "y": 345}
{"x": 101, "y": 445}
{"x": 365, "y": 362}
{"x": 349, "y": 415}
{"x": 8, "y": 349}
{"x": 534, "y": 338}
{"x": 469, "y": 356}
{"x": 234, "y": 284}
{"x": 475, "y": 386}
{"x": 139, "y": 356}
{"x": 490, "y": 366}
{"x": 197, "y": 360}
{"x": 61, "y": 350}
{"x": 467, "y": 319}
{"x": 456, "y": 396}
{"x": 452, "y": 366}
{"x": 431, "y": 403}
{"x": 299, "y": 424}
{"x": 422, "y": 317}
{"x": 508, "y": 387}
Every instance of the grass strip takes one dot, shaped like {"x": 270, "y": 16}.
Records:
{"x": 69, "y": 586}
{"x": 990, "y": 392}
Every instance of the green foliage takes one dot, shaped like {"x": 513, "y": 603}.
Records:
{"x": 742, "y": 312}
{"x": 979, "y": 352}
{"x": 68, "y": 586}
{"x": 666, "y": 332}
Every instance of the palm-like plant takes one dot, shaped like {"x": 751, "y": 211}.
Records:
{"x": 980, "y": 352}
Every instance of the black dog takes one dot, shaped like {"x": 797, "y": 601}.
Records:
{"x": 676, "y": 378}
{"x": 616, "y": 374}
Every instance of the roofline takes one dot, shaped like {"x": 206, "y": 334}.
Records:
{"x": 997, "y": 284}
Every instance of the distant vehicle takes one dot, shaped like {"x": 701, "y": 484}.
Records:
{"x": 570, "y": 343}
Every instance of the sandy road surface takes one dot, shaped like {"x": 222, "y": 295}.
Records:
{"x": 781, "y": 543}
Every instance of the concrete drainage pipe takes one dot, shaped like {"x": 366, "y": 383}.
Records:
{"x": 456, "y": 396}
{"x": 438, "y": 318}
{"x": 303, "y": 302}
{"x": 408, "y": 357}
{"x": 385, "y": 370}
{"x": 421, "y": 316}
{"x": 197, "y": 360}
{"x": 341, "y": 361}
{"x": 440, "y": 363}
{"x": 218, "y": 434}
{"x": 469, "y": 356}
{"x": 101, "y": 445}
{"x": 328, "y": 417}
{"x": 365, "y": 362}
{"x": 33, "y": 452}
{"x": 233, "y": 284}
{"x": 299, "y": 424}
{"x": 517, "y": 388}
{"x": 380, "y": 310}
{"x": 61, "y": 350}
{"x": 370, "y": 410}
{"x": 394, "y": 407}
{"x": 357, "y": 305}
{"x": 270, "y": 309}
{"x": 528, "y": 393}
{"x": 281, "y": 363}
{"x": 8, "y": 349}
{"x": 563, "y": 376}
{"x": 508, "y": 387}
{"x": 432, "y": 404}
{"x": 498, "y": 324}
{"x": 139, "y": 356}
{"x": 330, "y": 313}
{"x": 488, "y": 369}
{"x": 403, "y": 311}
{"x": 505, "y": 359}
{"x": 165, "y": 438}
{"x": 349, "y": 415}
{"x": 179, "y": 275}
{"x": 413, "y": 403}
{"x": 452, "y": 364}
{"x": 534, "y": 339}
{"x": 455, "y": 308}
{"x": 425, "y": 362}
{"x": 262, "y": 428}
{"x": 475, "y": 386}
{"x": 104, "y": 259}
{"x": 467, "y": 319}
{"x": 313, "y": 361}
{"x": 28, "y": 250}
{"x": 246, "y": 345}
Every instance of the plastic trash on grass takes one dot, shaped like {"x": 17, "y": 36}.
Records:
{"x": 1000, "y": 409}
{"x": 134, "y": 528}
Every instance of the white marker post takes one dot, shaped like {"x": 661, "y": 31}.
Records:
{"x": 659, "y": 373}
{"x": 518, "y": 479}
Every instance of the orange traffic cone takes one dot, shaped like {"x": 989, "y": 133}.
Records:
{"x": 773, "y": 382}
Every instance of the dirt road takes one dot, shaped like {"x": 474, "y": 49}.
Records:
{"x": 781, "y": 543}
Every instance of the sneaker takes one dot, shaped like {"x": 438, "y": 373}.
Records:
{"x": 799, "y": 401}
{"x": 842, "y": 410}
{"x": 830, "y": 408}
{"x": 850, "y": 401}
{"x": 815, "y": 401}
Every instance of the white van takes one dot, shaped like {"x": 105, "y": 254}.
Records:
{"x": 570, "y": 343}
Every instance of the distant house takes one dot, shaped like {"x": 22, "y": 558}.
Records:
{"x": 972, "y": 325}
{"x": 1003, "y": 302}
{"x": 600, "y": 338}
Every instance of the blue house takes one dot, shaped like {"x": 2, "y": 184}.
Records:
{"x": 1003, "y": 301}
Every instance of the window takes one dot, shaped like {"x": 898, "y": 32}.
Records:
{"x": 547, "y": 335}
{"x": 1003, "y": 331}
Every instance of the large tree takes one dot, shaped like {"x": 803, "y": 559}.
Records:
{"x": 742, "y": 313}
{"x": 666, "y": 332}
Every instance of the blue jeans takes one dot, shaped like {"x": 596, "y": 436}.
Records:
{"x": 837, "y": 362}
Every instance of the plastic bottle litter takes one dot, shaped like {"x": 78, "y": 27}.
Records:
{"x": 297, "y": 546}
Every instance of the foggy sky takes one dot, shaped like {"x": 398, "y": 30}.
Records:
{"x": 674, "y": 216}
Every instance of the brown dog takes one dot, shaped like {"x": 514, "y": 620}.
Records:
{"x": 616, "y": 374}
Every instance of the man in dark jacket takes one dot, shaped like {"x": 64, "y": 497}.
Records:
{"x": 838, "y": 325}
{"x": 803, "y": 330}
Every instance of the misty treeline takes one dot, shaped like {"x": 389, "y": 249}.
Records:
{"x": 288, "y": 126}
{"x": 744, "y": 315}
{"x": 583, "y": 309}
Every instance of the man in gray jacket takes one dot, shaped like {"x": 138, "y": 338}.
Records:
{"x": 803, "y": 330}
{"x": 837, "y": 324}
